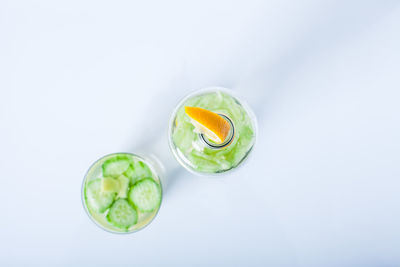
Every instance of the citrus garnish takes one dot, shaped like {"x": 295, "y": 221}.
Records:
{"x": 212, "y": 125}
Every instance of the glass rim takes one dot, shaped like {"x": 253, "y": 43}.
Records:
{"x": 201, "y": 91}
{"x": 150, "y": 165}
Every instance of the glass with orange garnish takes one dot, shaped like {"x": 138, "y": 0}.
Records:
{"x": 212, "y": 131}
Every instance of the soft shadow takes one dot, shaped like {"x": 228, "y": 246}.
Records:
{"x": 153, "y": 134}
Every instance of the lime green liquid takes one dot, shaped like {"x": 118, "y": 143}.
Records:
{"x": 203, "y": 158}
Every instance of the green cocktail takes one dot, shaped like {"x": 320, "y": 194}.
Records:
{"x": 198, "y": 153}
{"x": 122, "y": 192}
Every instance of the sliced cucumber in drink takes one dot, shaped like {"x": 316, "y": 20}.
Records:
{"x": 130, "y": 171}
{"x": 97, "y": 199}
{"x": 122, "y": 214}
{"x": 145, "y": 195}
{"x": 141, "y": 170}
{"x": 116, "y": 166}
{"x": 106, "y": 192}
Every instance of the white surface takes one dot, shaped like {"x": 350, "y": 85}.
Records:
{"x": 80, "y": 79}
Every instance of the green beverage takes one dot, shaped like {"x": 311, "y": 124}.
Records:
{"x": 122, "y": 192}
{"x": 192, "y": 146}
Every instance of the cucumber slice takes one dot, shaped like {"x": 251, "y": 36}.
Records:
{"x": 122, "y": 214}
{"x": 145, "y": 195}
{"x": 96, "y": 198}
{"x": 130, "y": 171}
{"x": 123, "y": 182}
{"x": 116, "y": 166}
{"x": 141, "y": 170}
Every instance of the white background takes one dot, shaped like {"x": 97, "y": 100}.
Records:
{"x": 81, "y": 79}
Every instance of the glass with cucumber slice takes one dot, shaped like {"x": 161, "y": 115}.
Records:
{"x": 190, "y": 142}
{"x": 122, "y": 192}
